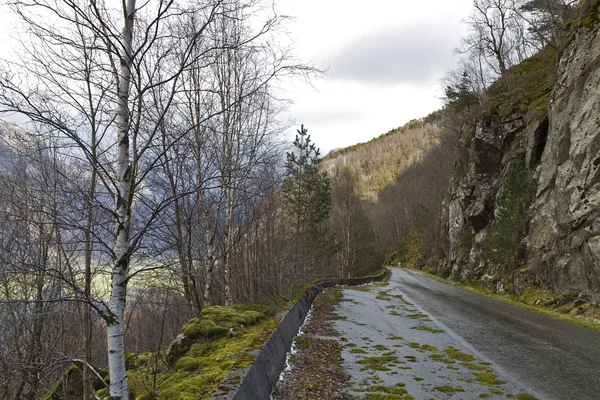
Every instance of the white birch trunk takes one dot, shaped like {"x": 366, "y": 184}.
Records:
{"x": 210, "y": 262}
{"x": 119, "y": 388}
{"x": 228, "y": 248}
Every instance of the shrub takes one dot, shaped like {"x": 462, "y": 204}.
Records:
{"x": 511, "y": 222}
{"x": 526, "y": 88}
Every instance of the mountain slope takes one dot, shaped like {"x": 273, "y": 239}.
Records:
{"x": 377, "y": 163}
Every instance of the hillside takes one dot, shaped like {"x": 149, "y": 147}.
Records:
{"x": 377, "y": 163}
{"x": 522, "y": 215}
{"x": 510, "y": 199}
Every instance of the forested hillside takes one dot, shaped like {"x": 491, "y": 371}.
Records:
{"x": 149, "y": 184}
{"x": 402, "y": 178}
{"x": 376, "y": 164}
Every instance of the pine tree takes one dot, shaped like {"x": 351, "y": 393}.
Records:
{"x": 460, "y": 95}
{"x": 307, "y": 203}
{"x": 306, "y": 190}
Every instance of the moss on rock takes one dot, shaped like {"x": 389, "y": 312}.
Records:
{"x": 202, "y": 355}
{"x": 526, "y": 87}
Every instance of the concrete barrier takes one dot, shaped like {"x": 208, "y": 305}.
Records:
{"x": 258, "y": 380}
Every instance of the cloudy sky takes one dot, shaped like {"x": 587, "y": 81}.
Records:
{"x": 384, "y": 59}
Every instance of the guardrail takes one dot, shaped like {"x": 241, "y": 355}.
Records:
{"x": 258, "y": 380}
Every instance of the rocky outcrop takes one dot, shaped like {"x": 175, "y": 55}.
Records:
{"x": 565, "y": 229}
{"x": 497, "y": 147}
{"x": 525, "y": 208}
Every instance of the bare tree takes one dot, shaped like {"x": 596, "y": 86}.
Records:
{"x": 57, "y": 96}
{"x": 351, "y": 226}
{"x": 495, "y": 32}
{"x": 545, "y": 20}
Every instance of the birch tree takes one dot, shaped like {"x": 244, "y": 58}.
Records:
{"x": 108, "y": 84}
{"x": 56, "y": 94}
{"x": 232, "y": 112}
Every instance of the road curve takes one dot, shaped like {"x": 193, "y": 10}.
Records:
{"x": 550, "y": 358}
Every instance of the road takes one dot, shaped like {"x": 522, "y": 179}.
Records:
{"x": 428, "y": 339}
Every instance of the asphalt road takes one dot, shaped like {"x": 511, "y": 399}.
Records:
{"x": 393, "y": 349}
{"x": 542, "y": 356}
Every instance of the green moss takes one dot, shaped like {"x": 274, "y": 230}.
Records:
{"x": 458, "y": 355}
{"x": 358, "y": 351}
{"x": 384, "y": 295}
{"x": 417, "y": 316}
{"x": 388, "y": 389}
{"x": 475, "y": 367}
{"x": 441, "y": 358}
{"x": 206, "y": 328}
{"x": 428, "y": 329}
{"x": 54, "y": 390}
{"x": 378, "y": 363}
{"x": 525, "y": 396}
{"x": 378, "y": 396}
{"x": 394, "y": 337}
{"x": 488, "y": 379}
{"x": 303, "y": 342}
{"x": 189, "y": 364}
{"x": 526, "y": 87}
{"x": 217, "y": 320}
{"x": 587, "y": 15}
{"x": 449, "y": 390}
{"x": 590, "y": 21}
{"x": 208, "y": 359}
{"x": 427, "y": 347}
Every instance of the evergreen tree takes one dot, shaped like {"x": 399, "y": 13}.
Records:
{"x": 460, "y": 94}
{"x": 307, "y": 202}
{"x": 306, "y": 190}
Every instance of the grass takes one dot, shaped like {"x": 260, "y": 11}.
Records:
{"x": 526, "y": 87}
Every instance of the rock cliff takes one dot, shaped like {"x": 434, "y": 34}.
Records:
{"x": 525, "y": 208}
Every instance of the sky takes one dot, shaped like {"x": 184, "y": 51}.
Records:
{"x": 384, "y": 61}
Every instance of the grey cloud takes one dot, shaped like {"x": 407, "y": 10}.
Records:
{"x": 408, "y": 54}
{"x": 327, "y": 116}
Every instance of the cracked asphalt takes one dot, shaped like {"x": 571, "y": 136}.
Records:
{"x": 418, "y": 338}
